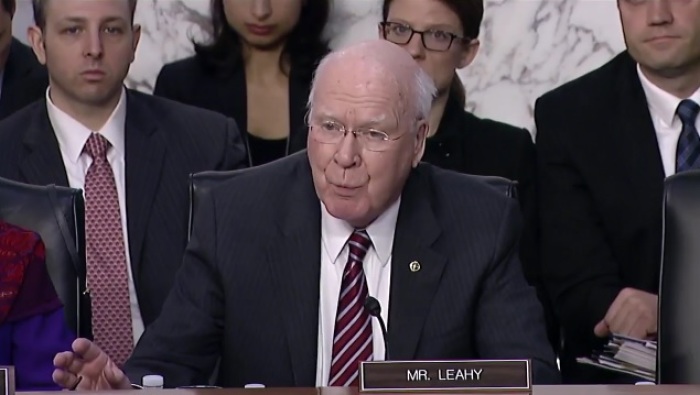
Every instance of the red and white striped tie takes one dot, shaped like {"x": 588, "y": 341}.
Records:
{"x": 352, "y": 337}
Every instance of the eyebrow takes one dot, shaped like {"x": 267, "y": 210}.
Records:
{"x": 442, "y": 26}
{"x": 80, "y": 19}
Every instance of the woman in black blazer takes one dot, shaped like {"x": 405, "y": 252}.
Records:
{"x": 257, "y": 70}
{"x": 441, "y": 35}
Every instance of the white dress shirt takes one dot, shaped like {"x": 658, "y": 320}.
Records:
{"x": 72, "y": 136}
{"x": 662, "y": 107}
{"x": 377, "y": 267}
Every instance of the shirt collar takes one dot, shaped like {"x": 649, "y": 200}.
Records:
{"x": 72, "y": 135}
{"x": 336, "y": 232}
{"x": 661, "y": 103}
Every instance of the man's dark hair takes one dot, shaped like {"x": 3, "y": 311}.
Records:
{"x": 471, "y": 14}
{"x": 39, "y": 7}
{"x": 304, "y": 48}
{"x": 9, "y": 6}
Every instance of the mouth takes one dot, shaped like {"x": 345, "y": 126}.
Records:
{"x": 93, "y": 75}
{"x": 259, "y": 30}
{"x": 658, "y": 39}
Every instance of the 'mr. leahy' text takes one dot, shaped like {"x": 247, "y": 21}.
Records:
{"x": 444, "y": 375}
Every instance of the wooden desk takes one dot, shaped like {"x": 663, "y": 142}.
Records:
{"x": 538, "y": 390}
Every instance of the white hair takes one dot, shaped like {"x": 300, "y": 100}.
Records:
{"x": 420, "y": 88}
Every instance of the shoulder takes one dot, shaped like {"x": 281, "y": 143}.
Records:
{"x": 176, "y": 114}
{"x": 268, "y": 181}
{"x": 14, "y": 126}
{"x": 591, "y": 89}
{"x": 491, "y": 130}
{"x": 187, "y": 66}
{"x": 461, "y": 191}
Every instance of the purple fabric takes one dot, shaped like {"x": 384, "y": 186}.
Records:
{"x": 37, "y": 294}
{"x": 31, "y": 344}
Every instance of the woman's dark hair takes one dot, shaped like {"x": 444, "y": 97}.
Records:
{"x": 470, "y": 13}
{"x": 304, "y": 48}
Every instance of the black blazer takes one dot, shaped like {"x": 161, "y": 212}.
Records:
{"x": 601, "y": 184}
{"x": 24, "y": 79}
{"x": 248, "y": 288}
{"x": 189, "y": 81}
{"x": 165, "y": 142}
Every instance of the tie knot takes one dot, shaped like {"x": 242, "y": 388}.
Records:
{"x": 359, "y": 243}
{"x": 688, "y": 111}
{"x": 96, "y": 146}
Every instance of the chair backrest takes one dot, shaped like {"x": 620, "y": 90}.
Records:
{"x": 202, "y": 183}
{"x": 57, "y": 215}
{"x": 678, "y": 355}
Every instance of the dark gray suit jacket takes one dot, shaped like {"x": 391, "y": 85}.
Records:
{"x": 24, "y": 80}
{"x": 165, "y": 143}
{"x": 248, "y": 289}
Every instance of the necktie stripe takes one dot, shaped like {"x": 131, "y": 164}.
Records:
{"x": 349, "y": 355}
{"x": 352, "y": 336}
{"x": 688, "y": 150}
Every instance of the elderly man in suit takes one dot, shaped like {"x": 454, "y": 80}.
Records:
{"x": 606, "y": 141}
{"x": 131, "y": 153}
{"x": 22, "y": 79}
{"x": 283, "y": 257}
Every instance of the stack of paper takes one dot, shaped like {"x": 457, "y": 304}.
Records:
{"x": 627, "y": 355}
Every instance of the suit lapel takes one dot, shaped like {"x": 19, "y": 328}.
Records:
{"x": 412, "y": 292}
{"x": 641, "y": 159}
{"x": 294, "y": 264}
{"x": 145, "y": 151}
{"x": 43, "y": 164}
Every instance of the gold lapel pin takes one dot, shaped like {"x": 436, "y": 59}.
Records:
{"x": 414, "y": 266}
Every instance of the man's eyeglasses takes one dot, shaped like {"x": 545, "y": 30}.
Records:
{"x": 434, "y": 40}
{"x": 331, "y": 132}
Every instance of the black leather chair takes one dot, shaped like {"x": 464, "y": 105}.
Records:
{"x": 202, "y": 183}
{"x": 678, "y": 355}
{"x": 57, "y": 215}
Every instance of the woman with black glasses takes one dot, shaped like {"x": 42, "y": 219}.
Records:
{"x": 442, "y": 36}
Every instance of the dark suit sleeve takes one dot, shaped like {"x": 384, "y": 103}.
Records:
{"x": 184, "y": 343}
{"x": 579, "y": 270}
{"x": 509, "y": 318}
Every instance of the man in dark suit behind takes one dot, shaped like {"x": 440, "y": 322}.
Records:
{"x": 605, "y": 143}
{"x": 131, "y": 153}
{"x": 22, "y": 79}
{"x": 283, "y": 257}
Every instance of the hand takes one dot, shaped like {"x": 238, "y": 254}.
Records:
{"x": 633, "y": 313}
{"x": 89, "y": 368}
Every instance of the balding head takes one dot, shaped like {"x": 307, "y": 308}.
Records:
{"x": 382, "y": 63}
{"x": 368, "y": 109}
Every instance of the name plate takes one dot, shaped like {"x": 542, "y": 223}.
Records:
{"x": 432, "y": 376}
{"x": 7, "y": 380}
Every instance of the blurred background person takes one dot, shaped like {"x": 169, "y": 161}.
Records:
{"x": 22, "y": 79}
{"x": 442, "y": 36}
{"x": 32, "y": 324}
{"x": 606, "y": 142}
{"x": 257, "y": 70}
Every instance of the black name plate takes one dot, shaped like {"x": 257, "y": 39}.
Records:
{"x": 7, "y": 380}
{"x": 431, "y": 376}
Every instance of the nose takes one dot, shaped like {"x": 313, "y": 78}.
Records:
{"x": 659, "y": 12}
{"x": 93, "y": 44}
{"x": 347, "y": 154}
{"x": 261, "y": 9}
{"x": 415, "y": 47}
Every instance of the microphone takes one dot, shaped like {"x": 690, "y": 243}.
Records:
{"x": 375, "y": 309}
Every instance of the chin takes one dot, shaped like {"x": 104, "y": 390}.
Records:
{"x": 348, "y": 211}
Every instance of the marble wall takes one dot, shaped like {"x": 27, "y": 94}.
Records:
{"x": 528, "y": 46}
